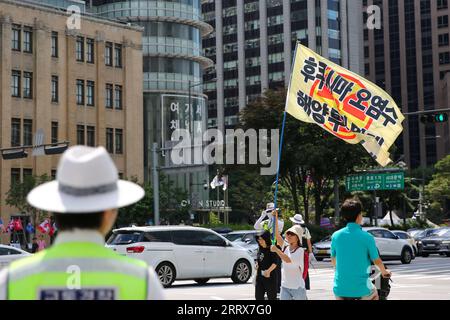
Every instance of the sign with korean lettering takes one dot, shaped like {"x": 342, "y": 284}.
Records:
{"x": 375, "y": 181}
{"x": 343, "y": 103}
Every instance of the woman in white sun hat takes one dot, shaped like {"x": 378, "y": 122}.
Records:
{"x": 292, "y": 256}
{"x": 84, "y": 199}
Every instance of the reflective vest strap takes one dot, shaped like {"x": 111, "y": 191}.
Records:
{"x": 82, "y": 264}
{"x": 4, "y": 284}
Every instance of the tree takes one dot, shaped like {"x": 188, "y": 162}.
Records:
{"x": 17, "y": 195}
{"x": 438, "y": 190}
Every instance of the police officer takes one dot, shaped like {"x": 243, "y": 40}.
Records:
{"x": 84, "y": 199}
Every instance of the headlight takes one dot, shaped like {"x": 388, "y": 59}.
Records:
{"x": 446, "y": 242}
{"x": 419, "y": 242}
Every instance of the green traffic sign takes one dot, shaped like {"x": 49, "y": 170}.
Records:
{"x": 375, "y": 181}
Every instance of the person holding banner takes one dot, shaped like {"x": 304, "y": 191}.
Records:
{"x": 292, "y": 256}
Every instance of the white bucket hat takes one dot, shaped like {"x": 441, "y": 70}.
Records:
{"x": 86, "y": 181}
{"x": 298, "y": 219}
{"x": 297, "y": 230}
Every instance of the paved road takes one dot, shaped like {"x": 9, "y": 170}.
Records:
{"x": 423, "y": 279}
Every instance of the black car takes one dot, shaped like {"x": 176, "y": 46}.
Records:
{"x": 438, "y": 243}
{"x": 422, "y": 235}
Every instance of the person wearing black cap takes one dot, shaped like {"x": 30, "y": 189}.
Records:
{"x": 266, "y": 263}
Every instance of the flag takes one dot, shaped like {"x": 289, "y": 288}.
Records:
{"x": 30, "y": 228}
{"x": 44, "y": 227}
{"x": 218, "y": 181}
{"x": 53, "y": 229}
{"x": 343, "y": 103}
{"x": 10, "y": 227}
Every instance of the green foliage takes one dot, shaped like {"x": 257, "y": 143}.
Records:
{"x": 170, "y": 200}
{"x": 438, "y": 191}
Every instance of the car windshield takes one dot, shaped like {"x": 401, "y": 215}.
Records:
{"x": 234, "y": 236}
{"x": 415, "y": 233}
{"x": 442, "y": 233}
{"x": 119, "y": 238}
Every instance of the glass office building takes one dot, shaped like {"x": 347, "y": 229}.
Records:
{"x": 173, "y": 71}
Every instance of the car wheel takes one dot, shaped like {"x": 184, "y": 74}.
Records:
{"x": 406, "y": 256}
{"x": 201, "y": 281}
{"x": 242, "y": 272}
{"x": 425, "y": 255}
{"x": 166, "y": 274}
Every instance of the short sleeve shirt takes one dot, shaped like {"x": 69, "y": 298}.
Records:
{"x": 353, "y": 249}
{"x": 292, "y": 273}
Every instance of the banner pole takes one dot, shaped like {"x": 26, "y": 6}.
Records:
{"x": 278, "y": 173}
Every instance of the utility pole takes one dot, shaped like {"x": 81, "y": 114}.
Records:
{"x": 155, "y": 183}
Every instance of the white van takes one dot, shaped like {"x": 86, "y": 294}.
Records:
{"x": 184, "y": 253}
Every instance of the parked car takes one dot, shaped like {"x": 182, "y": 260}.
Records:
{"x": 321, "y": 249}
{"x": 413, "y": 232}
{"x": 406, "y": 236}
{"x": 390, "y": 246}
{"x": 245, "y": 239}
{"x": 438, "y": 243}
{"x": 8, "y": 254}
{"x": 184, "y": 253}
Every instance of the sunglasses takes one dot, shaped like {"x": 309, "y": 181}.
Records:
{"x": 290, "y": 234}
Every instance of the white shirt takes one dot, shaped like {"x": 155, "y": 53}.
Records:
{"x": 292, "y": 273}
{"x": 260, "y": 222}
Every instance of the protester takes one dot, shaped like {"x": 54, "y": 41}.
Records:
{"x": 84, "y": 199}
{"x": 265, "y": 222}
{"x": 352, "y": 250}
{"x": 35, "y": 246}
{"x": 266, "y": 281}
{"x": 306, "y": 243}
{"x": 292, "y": 256}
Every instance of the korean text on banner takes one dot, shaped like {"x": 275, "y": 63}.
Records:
{"x": 343, "y": 103}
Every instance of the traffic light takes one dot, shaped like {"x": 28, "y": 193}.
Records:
{"x": 434, "y": 118}
{"x": 440, "y": 117}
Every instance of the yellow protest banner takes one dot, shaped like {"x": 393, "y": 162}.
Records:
{"x": 343, "y": 103}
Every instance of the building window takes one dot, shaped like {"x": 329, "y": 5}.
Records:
{"x": 109, "y": 96}
{"x": 119, "y": 141}
{"x": 55, "y": 88}
{"x": 15, "y": 37}
{"x": 108, "y": 54}
{"x": 444, "y": 58}
{"x": 91, "y": 136}
{"x": 443, "y": 21}
{"x": 15, "y": 83}
{"x": 80, "y": 49}
{"x": 15, "y": 132}
{"x": 80, "y": 134}
{"x": 443, "y": 40}
{"x": 28, "y": 85}
{"x": 442, "y": 4}
{"x": 15, "y": 176}
{"x": 110, "y": 140}
{"x": 53, "y": 174}
{"x": 27, "y": 39}
{"x": 118, "y": 97}
{"x": 28, "y": 132}
{"x": 27, "y": 174}
{"x": 118, "y": 55}
{"x": 80, "y": 92}
{"x": 54, "y": 131}
{"x": 90, "y": 93}
{"x": 54, "y": 44}
{"x": 90, "y": 51}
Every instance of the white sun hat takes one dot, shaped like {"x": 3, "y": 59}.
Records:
{"x": 86, "y": 181}
{"x": 298, "y": 219}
